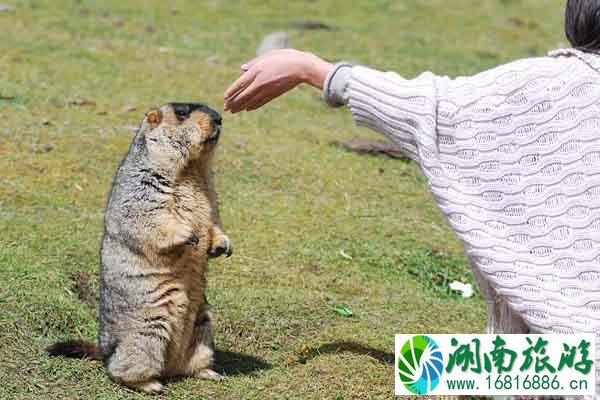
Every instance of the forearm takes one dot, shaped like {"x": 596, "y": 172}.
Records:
{"x": 403, "y": 110}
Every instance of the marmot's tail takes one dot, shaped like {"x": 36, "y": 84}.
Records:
{"x": 76, "y": 349}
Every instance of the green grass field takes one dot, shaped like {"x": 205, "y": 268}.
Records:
{"x": 75, "y": 76}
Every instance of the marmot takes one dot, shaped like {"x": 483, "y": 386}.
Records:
{"x": 161, "y": 226}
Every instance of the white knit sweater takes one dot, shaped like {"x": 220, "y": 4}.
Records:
{"x": 512, "y": 157}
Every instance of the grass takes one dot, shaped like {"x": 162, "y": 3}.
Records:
{"x": 71, "y": 71}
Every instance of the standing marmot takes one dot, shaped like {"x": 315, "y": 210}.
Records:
{"x": 161, "y": 226}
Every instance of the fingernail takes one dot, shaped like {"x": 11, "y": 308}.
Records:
{"x": 244, "y": 67}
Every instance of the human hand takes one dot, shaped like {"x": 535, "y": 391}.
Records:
{"x": 273, "y": 74}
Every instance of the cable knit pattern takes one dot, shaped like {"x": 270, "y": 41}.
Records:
{"x": 512, "y": 157}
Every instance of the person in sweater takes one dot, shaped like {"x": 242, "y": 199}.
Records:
{"x": 511, "y": 155}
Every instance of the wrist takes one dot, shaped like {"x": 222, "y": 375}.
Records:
{"x": 314, "y": 70}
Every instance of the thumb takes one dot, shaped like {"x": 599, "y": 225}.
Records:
{"x": 246, "y": 66}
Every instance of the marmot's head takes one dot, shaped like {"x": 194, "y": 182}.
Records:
{"x": 177, "y": 133}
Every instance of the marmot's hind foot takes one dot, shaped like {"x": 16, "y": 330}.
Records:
{"x": 153, "y": 387}
{"x": 209, "y": 374}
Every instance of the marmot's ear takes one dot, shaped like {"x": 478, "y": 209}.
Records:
{"x": 154, "y": 117}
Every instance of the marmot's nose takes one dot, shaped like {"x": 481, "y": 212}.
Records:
{"x": 181, "y": 110}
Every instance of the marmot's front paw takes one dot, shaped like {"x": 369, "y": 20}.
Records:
{"x": 185, "y": 235}
{"x": 193, "y": 240}
{"x": 220, "y": 245}
{"x": 172, "y": 236}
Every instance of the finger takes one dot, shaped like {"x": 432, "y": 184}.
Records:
{"x": 258, "y": 102}
{"x": 237, "y": 103}
{"x": 246, "y": 66}
{"x": 234, "y": 97}
{"x": 276, "y": 90}
{"x": 241, "y": 83}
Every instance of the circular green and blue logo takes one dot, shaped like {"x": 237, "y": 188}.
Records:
{"x": 420, "y": 364}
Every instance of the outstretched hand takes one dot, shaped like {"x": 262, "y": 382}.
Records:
{"x": 268, "y": 77}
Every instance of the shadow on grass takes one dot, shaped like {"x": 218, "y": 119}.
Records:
{"x": 231, "y": 364}
{"x": 351, "y": 347}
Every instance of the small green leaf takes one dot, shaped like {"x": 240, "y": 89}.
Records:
{"x": 343, "y": 311}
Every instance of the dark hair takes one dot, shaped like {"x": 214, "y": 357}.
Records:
{"x": 582, "y": 24}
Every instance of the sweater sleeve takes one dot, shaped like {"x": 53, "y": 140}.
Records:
{"x": 403, "y": 110}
